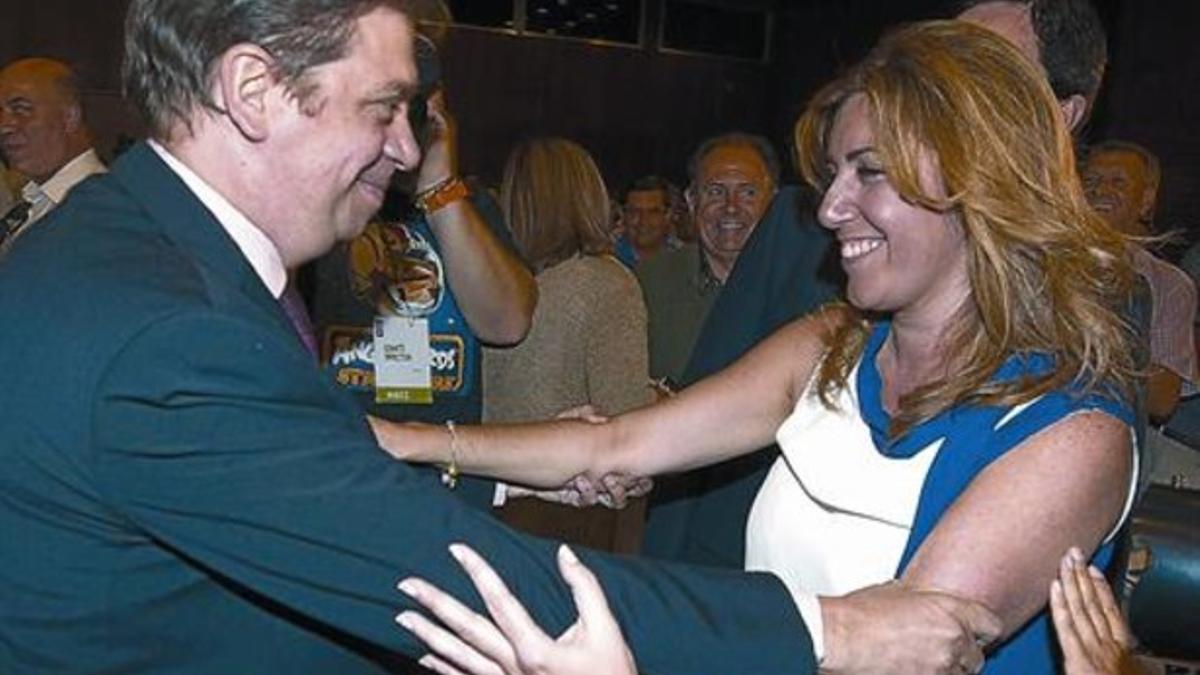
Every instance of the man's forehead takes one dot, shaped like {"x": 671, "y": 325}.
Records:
{"x": 733, "y": 158}
{"x": 650, "y": 194}
{"x": 1126, "y": 160}
{"x": 1010, "y": 20}
{"x": 384, "y": 38}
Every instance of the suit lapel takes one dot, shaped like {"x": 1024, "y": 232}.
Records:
{"x": 184, "y": 220}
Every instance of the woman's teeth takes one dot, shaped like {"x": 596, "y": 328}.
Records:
{"x": 859, "y": 247}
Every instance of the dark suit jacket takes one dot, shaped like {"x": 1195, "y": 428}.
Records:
{"x": 181, "y": 492}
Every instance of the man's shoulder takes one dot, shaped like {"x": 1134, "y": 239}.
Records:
{"x": 99, "y": 249}
{"x": 1162, "y": 275}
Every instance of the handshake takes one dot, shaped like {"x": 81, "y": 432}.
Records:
{"x": 611, "y": 490}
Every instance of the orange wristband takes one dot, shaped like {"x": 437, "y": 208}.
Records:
{"x": 441, "y": 195}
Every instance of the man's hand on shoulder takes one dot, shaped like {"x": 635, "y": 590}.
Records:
{"x": 895, "y": 629}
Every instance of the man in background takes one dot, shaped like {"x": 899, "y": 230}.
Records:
{"x": 732, "y": 181}
{"x": 43, "y": 136}
{"x": 434, "y": 271}
{"x": 646, "y": 216}
{"x": 1122, "y": 181}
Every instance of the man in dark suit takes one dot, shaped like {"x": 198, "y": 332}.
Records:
{"x": 182, "y": 492}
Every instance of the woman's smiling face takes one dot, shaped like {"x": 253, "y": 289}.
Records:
{"x": 899, "y": 256}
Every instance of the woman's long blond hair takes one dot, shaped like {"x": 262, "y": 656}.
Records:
{"x": 555, "y": 202}
{"x": 1047, "y": 275}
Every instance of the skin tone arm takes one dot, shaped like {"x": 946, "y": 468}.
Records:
{"x": 735, "y": 411}
{"x": 496, "y": 292}
{"x": 999, "y": 543}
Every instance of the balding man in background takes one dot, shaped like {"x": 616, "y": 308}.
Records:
{"x": 43, "y": 136}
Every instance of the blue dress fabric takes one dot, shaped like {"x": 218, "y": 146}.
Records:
{"x": 972, "y": 443}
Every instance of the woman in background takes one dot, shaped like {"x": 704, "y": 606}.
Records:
{"x": 587, "y": 344}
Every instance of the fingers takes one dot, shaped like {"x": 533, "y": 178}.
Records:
{"x": 1091, "y": 600}
{"x": 578, "y": 412}
{"x": 588, "y": 494}
{"x": 641, "y": 487}
{"x": 984, "y": 626}
{"x": 1085, "y": 629}
{"x": 1108, "y": 607}
{"x": 437, "y": 665}
{"x": 1097, "y": 600}
{"x": 522, "y": 634}
{"x": 1064, "y": 624}
{"x": 586, "y": 590}
{"x": 972, "y": 658}
{"x": 447, "y": 646}
{"x": 615, "y": 486}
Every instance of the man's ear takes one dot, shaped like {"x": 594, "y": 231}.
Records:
{"x": 242, "y": 87}
{"x": 689, "y": 198}
{"x": 1149, "y": 197}
{"x": 72, "y": 117}
{"x": 1074, "y": 110}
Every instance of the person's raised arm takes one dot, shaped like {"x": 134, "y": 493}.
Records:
{"x": 733, "y": 412}
{"x": 495, "y": 291}
{"x": 1001, "y": 541}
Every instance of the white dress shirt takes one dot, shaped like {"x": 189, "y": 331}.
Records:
{"x": 44, "y": 197}
{"x": 257, "y": 248}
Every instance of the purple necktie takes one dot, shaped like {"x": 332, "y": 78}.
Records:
{"x": 297, "y": 313}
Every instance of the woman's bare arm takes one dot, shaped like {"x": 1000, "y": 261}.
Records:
{"x": 1001, "y": 542}
{"x": 733, "y": 412}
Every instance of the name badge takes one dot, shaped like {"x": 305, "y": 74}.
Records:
{"x": 402, "y": 360}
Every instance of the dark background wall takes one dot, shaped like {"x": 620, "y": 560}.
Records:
{"x": 640, "y": 111}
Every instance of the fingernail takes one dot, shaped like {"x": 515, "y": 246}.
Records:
{"x": 405, "y": 619}
{"x": 1067, "y": 562}
{"x": 408, "y": 588}
{"x": 456, "y": 550}
{"x": 427, "y": 662}
{"x": 1056, "y": 587}
{"x": 1077, "y": 555}
{"x": 1095, "y": 573}
{"x": 568, "y": 555}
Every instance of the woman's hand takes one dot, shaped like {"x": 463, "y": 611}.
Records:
{"x": 1094, "y": 637}
{"x": 510, "y": 643}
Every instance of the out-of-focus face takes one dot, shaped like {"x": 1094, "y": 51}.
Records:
{"x": 1119, "y": 189}
{"x": 645, "y": 218}
{"x": 36, "y": 120}
{"x": 1011, "y": 20}
{"x": 732, "y": 190}
{"x": 337, "y": 151}
{"x": 899, "y": 257}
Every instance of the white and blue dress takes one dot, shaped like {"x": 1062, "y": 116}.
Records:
{"x": 845, "y": 506}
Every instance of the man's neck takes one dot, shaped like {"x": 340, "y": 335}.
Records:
{"x": 718, "y": 266}
{"x": 645, "y": 253}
